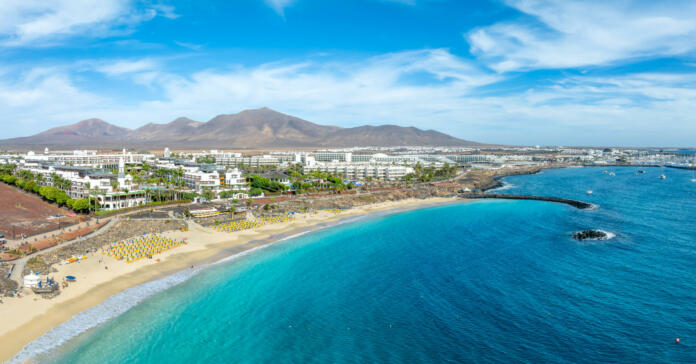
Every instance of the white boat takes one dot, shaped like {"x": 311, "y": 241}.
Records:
{"x": 589, "y": 192}
{"x": 662, "y": 176}
{"x": 612, "y": 174}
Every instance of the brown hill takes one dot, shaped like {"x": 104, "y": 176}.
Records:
{"x": 93, "y": 132}
{"x": 171, "y": 131}
{"x": 259, "y": 128}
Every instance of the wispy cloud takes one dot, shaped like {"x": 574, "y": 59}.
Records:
{"x": 279, "y": 5}
{"x": 43, "y": 97}
{"x": 192, "y": 46}
{"x": 427, "y": 88}
{"x": 37, "y": 22}
{"x": 115, "y": 68}
{"x": 166, "y": 11}
{"x": 571, "y": 33}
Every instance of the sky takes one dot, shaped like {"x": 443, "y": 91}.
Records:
{"x": 522, "y": 72}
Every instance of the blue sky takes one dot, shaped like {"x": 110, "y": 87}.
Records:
{"x": 515, "y": 72}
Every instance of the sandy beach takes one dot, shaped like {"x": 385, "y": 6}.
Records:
{"x": 25, "y": 319}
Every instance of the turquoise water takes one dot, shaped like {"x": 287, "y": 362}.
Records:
{"x": 490, "y": 281}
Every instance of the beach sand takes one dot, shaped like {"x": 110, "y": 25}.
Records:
{"x": 25, "y": 319}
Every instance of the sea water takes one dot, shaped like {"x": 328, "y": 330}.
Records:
{"x": 490, "y": 281}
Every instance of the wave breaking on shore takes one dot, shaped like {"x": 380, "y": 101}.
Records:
{"x": 122, "y": 302}
{"x": 113, "y": 307}
{"x": 504, "y": 186}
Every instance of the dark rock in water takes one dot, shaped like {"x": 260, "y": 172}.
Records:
{"x": 590, "y": 234}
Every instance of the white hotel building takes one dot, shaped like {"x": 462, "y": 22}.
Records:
{"x": 88, "y": 158}
{"x": 201, "y": 176}
{"x": 92, "y": 183}
{"x": 360, "y": 171}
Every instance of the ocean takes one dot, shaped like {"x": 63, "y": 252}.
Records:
{"x": 490, "y": 281}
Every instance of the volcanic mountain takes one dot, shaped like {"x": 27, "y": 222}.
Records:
{"x": 258, "y": 128}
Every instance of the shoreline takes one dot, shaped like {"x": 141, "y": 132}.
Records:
{"x": 497, "y": 182}
{"x": 204, "y": 248}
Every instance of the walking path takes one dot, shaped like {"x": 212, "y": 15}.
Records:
{"x": 16, "y": 243}
{"x": 18, "y": 271}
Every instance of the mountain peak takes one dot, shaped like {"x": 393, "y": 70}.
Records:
{"x": 91, "y": 121}
{"x": 88, "y": 128}
{"x": 253, "y": 128}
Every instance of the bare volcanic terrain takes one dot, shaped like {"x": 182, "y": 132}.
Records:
{"x": 258, "y": 128}
{"x": 22, "y": 213}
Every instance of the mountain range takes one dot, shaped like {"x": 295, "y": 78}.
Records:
{"x": 253, "y": 129}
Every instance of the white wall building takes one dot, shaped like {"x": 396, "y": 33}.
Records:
{"x": 216, "y": 180}
{"x": 88, "y": 158}
{"x": 234, "y": 180}
{"x": 112, "y": 191}
{"x": 360, "y": 171}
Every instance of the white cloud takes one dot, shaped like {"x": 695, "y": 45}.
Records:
{"x": 330, "y": 92}
{"x": 43, "y": 98}
{"x": 37, "y": 22}
{"x": 126, "y": 67}
{"x": 571, "y": 33}
{"x": 644, "y": 109}
{"x": 192, "y": 46}
{"x": 166, "y": 11}
{"x": 427, "y": 88}
{"x": 279, "y": 5}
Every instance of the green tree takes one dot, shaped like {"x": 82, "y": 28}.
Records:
{"x": 208, "y": 194}
{"x": 81, "y": 205}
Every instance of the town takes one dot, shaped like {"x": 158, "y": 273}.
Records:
{"x": 90, "y": 180}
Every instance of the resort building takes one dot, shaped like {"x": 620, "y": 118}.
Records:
{"x": 121, "y": 200}
{"x": 88, "y": 158}
{"x": 234, "y": 180}
{"x": 113, "y": 191}
{"x": 214, "y": 178}
{"x": 255, "y": 161}
{"x": 355, "y": 171}
{"x": 333, "y": 156}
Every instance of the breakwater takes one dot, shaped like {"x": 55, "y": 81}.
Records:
{"x": 689, "y": 168}
{"x": 575, "y": 203}
{"x": 496, "y": 181}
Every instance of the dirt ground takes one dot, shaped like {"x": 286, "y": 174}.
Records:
{"x": 22, "y": 213}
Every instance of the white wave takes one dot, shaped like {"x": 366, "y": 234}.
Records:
{"x": 97, "y": 315}
{"x": 609, "y": 236}
{"x": 506, "y": 186}
{"x": 239, "y": 255}
{"x": 120, "y": 303}
{"x": 112, "y": 307}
